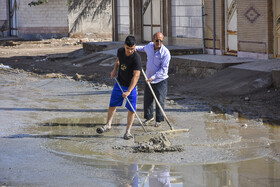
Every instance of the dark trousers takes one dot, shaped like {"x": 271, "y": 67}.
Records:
{"x": 160, "y": 90}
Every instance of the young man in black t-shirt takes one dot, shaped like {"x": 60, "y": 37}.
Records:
{"x": 128, "y": 68}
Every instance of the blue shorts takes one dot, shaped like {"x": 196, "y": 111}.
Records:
{"x": 117, "y": 98}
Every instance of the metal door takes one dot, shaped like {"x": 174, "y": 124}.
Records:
{"x": 151, "y": 18}
{"x": 276, "y": 5}
{"x": 13, "y": 17}
{"x": 231, "y": 27}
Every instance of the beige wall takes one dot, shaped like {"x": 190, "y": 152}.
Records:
{"x": 208, "y": 24}
{"x": 254, "y": 28}
{"x": 255, "y": 32}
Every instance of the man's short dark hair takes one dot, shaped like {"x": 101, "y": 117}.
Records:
{"x": 130, "y": 41}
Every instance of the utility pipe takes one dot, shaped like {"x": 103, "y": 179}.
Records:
{"x": 214, "y": 27}
{"x": 202, "y": 12}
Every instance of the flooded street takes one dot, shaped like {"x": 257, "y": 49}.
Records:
{"x": 48, "y": 138}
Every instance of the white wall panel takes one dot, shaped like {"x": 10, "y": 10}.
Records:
{"x": 123, "y": 16}
{"x": 186, "y": 18}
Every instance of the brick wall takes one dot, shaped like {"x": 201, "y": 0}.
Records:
{"x": 4, "y": 17}
{"x": 43, "y": 21}
{"x": 3, "y": 10}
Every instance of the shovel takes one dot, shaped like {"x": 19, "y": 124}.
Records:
{"x": 147, "y": 136}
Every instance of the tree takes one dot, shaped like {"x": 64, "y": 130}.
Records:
{"x": 39, "y": 2}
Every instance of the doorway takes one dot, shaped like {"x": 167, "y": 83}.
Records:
{"x": 152, "y": 16}
{"x": 231, "y": 27}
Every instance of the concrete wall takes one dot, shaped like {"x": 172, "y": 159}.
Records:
{"x": 123, "y": 19}
{"x": 186, "y": 22}
{"x": 91, "y": 18}
{"x": 186, "y": 19}
{"x": 44, "y": 21}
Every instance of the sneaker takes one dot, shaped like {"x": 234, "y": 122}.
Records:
{"x": 127, "y": 136}
{"x": 147, "y": 121}
{"x": 157, "y": 124}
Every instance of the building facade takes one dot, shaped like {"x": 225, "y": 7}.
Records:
{"x": 180, "y": 21}
{"x": 243, "y": 28}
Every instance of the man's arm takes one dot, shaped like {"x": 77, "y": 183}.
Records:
{"x": 115, "y": 70}
{"x": 140, "y": 48}
{"x": 135, "y": 78}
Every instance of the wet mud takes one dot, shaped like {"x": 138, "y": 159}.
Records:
{"x": 159, "y": 144}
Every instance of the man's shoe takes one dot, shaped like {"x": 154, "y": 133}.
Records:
{"x": 127, "y": 136}
{"x": 157, "y": 124}
{"x": 147, "y": 121}
{"x": 100, "y": 130}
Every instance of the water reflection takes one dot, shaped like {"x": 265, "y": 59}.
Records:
{"x": 160, "y": 176}
{"x": 152, "y": 176}
{"x": 259, "y": 172}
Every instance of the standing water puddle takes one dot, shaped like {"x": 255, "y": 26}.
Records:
{"x": 219, "y": 153}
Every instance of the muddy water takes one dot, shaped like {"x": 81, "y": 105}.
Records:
{"x": 62, "y": 115}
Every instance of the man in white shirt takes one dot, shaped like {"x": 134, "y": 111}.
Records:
{"x": 158, "y": 58}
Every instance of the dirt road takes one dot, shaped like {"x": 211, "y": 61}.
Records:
{"x": 65, "y": 57}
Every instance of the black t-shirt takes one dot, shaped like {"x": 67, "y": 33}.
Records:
{"x": 127, "y": 65}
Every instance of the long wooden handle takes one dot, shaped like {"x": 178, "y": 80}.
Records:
{"x": 131, "y": 106}
{"x": 155, "y": 97}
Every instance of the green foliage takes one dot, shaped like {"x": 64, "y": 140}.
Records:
{"x": 39, "y": 2}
